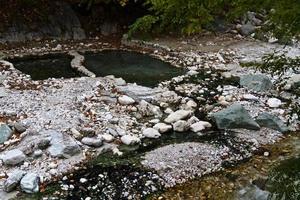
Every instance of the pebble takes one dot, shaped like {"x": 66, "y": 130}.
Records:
{"x": 274, "y": 102}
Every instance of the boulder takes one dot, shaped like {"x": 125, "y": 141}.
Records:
{"x": 20, "y": 128}
{"x": 270, "y": 121}
{"x": 151, "y": 133}
{"x": 235, "y": 116}
{"x": 30, "y": 183}
{"x": 13, "y": 180}
{"x": 247, "y": 29}
{"x": 62, "y": 146}
{"x": 13, "y": 157}
{"x": 126, "y": 100}
{"x": 94, "y": 142}
{"x": 178, "y": 115}
{"x": 130, "y": 139}
{"x": 256, "y": 82}
{"x": 5, "y": 133}
{"x": 180, "y": 126}
{"x": 162, "y": 127}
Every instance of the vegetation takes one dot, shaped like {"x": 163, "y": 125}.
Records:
{"x": 191, "y": 16}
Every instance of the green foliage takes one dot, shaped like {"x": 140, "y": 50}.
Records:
{"x": 190, "y": 16}
{"x": 278, "y": 64}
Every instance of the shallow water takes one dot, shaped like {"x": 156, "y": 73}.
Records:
{"x": 44, "y": 67}
{"x": 131, "y": 66}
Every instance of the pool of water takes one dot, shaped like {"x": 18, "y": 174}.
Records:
{"x": 131, "y": 66}
{"x": 44, "y": 67}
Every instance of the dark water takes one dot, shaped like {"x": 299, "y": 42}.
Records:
{"x": 131, "y": 66}
{"x": 44, "y": 67}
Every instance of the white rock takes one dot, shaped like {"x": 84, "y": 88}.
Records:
{"x": 151, "y": 133}
{"x": 126, "y": 100}
{"x": 191, "y": 104}
{"x": 178, "y": 115}
{"x": 180, "y": 126}
{"x": 162, "y": 127}
{"x": 200, "y": 126}
{"x": 83, "y": 180}
{"x": 168, "y": 111}
{"x": 130, "y": 139}
{"x": 192, "y": 120}
{"x": 107, "y": 137}
{"x": 274, "y": 102}
{"x": 250, "y": 97}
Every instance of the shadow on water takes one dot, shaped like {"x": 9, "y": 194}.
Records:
{"x": 131, "y": 66}
{"x": 44, "y": 67}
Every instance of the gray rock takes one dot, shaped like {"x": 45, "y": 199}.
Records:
{"x": 162, "y": 127}
{"x": 151, "y": 133}
{"x": 247, "y": 29}
{"x": 293, "y": 82}
{"x": 13, "y": 180}
{"x": 37, "y": 153}
{"x": 19, "y": 127}
{"x": 94, "y": 142}
{"x": 13, "y": 157}
{"x": 147, "y": 110}
{"x": 30, "y": 183}
{"x": 257, "y": 82}
{"x": 178, "y": 115}
{"x": 5, "y": 133}
{"x": 235, "y": 116}
{"x": 270, "y": 121}
{"x": 130, "y": 139}
{"x": 3, "y": 92}
{"x": 62, "y": 145}
{"x": 180, "y": 126}
{"x": 126, "y": 100}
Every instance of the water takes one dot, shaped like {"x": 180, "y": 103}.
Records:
{"x": 44, "y": 67}
{"x": 131, "y": 66}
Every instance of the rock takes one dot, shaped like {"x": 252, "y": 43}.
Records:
{"x": 180, "y": 126}
{"x": 3, "y": 92}
{"x": 5, "y": 133}
{"x": 126, "y": 100}
{"x": 94, "y": 142}
{"x": 293, "y": 82}
{"x": 151, "y": 133}
{"x": 13, "y": 157}
{"x": 274, "y": 102}
{"x": 62, "y": 145}
{"x": 247, "y": 29}
{"x": 37, "y": 153}
{"x": 256, "y": 82}
{"x": 30, "y": 183}
{"x": 270, "y": 121}
{"x": 250, "y": 97}
{"x": 200, "y": 126}
{"x": 235, "y": 116}
{"x": 162, "y": 127}
{"x": 192, "y": 120}
{"x": 20, "y": 128}
{"x": 178, "y": 115}
{"x": 107, "y": 137}
{"x": 130, "y": 139}
{"x": 147, "y": 110}
{"x": 13, "y": 180}
{"x": 120, "y": 82}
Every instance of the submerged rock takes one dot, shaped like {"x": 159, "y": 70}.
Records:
{"x": 30, "y": 183}
{"x": 270, "y": 121}
{"x": 256, "y": 82}
{"x": 13, "y": 157}
{"x": 151, "y": 133}
{"x": 13, "y": 180}
{"x": 235, "y": 116}
{"x": 178, "y": 115}
{"x": 5, "y": 133}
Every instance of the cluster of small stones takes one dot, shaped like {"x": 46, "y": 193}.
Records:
{"x": 66, "y": 122}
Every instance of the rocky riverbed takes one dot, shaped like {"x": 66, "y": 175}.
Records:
{"x": 51, "y": 128}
